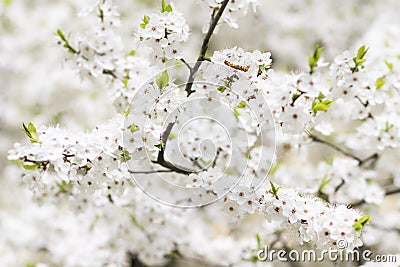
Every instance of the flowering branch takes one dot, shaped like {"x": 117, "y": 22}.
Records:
{"x": 202, "y": 56}
{"x": 215, "y": 17}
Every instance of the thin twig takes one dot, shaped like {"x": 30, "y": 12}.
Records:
{"x": 162, "y": 162}
{"x": 392, "y": 191}
{"x": 206, "y": 59}
{"x": 187, "y": 65}
{"x": 374, "y": 157}
{"x": 196, "y": 162}
{"x": 109, "y": 72}
{"x": 387, "y": 193}
{"x": 335, "y": 147}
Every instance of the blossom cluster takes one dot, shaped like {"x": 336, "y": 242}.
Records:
{"x": 85, "y": 167}
{"x": 99, "y": 54}
{"x": 253, "y": 64}
{"x": 97, "y": 51}
{"x": 236, "y": 8}
{"x": 164, "y": 32}
{"x": 308, "y": 218}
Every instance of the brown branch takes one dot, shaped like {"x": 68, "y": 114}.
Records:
{"x": 111, "y": 73}
{"x": 202, "y": 56}
{"x": 374, "y": 157}
{"x": 187, "y": 65}
{"x": 166, "y": 164}
{"x": 387, "y": 193}
{"x": 215, "y": 17}
{"x": 161, "y": 158}
{"x": 161, "y": 155}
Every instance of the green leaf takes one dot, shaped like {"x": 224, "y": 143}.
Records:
{"x": 136, "y": 223}
{"x": 258, "y": 238}
{"x": 389, "y": 65}
{"x": 236, "y": 113}
{"x": 160, "y": 146}
{"x": 7, "y": 2}
{"x": 62, "y": 187}
{"x": 146, "y": 20}
{"x": 361, "y": 52}
{"x": 295, "y": 96}
{"x": 319, "y": 105}
{"x": 388, "y": 126}
{"x": 61, "y": 35}
{"x": 127, "y": 112}
{"x": 168, "y": 8}
{"x": 126, "y": 81}
{"x": 274, "y": 169}
{"x": 242, "y": 104}
{"x": 314, "y": 58}
{"x": 125, "y": 156}
{"x": 101, "y": 15}
{"x": 30, "y": 167}
{"x": 165, "y": 7}
{"x": 325, "y": 181}
{"x": 364, "y": 220}
{"x": 30, "y": 131}
{"x": 359, "y": 60}
{"x": 379, "y": 83}
{"x": 31, "y": 265}
{"x": 58, "y": 117}
{"x": 248, "y": 155}
{"x": 163, "y": 80}
{"x": 134, "y": 128}
{"x": 221, "y": 88}
{"x": 360, "y": 223}
{"x": 26, "y": 131}
{"x": 274, "y": 190}
{"x": 357, "y": 226}
{"x": 66, "y": 43}
{"x": 132, "y": 53}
